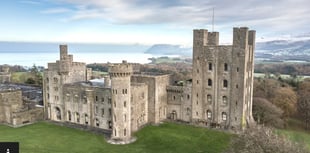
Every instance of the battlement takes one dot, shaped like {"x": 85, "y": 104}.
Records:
{"x": 120, "y": 69}
{"x": 241, "y": 37}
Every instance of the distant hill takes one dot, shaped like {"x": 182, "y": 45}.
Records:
{"x": 73, "y": 47}
{"x": 167, "y": 49}
{"x": 284, "y": 50}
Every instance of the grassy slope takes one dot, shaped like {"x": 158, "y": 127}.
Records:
{"x": 166, "y": 138}
{"x": 296, "y": 132}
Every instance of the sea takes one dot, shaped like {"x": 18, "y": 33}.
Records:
{"x": 28, "y": 59}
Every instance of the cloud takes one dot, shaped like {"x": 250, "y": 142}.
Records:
{"x": 282, "y": 15}
{"x": 56, "y": 11}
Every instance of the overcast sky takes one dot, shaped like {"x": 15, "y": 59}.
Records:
{"x": 149, "y": 21}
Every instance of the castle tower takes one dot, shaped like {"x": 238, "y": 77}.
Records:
{"x": 121, "y": 102}
{"x": 222, "y": 87}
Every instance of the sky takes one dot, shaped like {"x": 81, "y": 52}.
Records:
{"x": 149, "y": 21}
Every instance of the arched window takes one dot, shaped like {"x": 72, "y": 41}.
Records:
{"x": 125, "y": 132}
{"x": 225, "y": 67}
{"x": 209, "y": 99}
{"x": 58, "y": 113}
{"x": 224, "y": 100}
{"x": 225, "y": 83}
{"x": 224, "y": 116}
{"x": 209, "y": 82}
{"x": 209, "y": 114}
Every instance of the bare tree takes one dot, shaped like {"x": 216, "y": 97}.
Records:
{"x": 263, "y": 140}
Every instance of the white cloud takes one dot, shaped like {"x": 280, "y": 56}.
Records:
{"x": 56, "y": 11}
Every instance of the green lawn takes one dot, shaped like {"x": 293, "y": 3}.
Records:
{"x": 297, "y": 136}
{"x": 167, "y": 138}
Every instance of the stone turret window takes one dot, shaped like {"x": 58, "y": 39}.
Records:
{"x": 210, "y": 66}
{"x": 125, "y": 132}
{"x": 188, "y": 96}
{"x": 173, "y": 97}
{"x": 209, "y": 114}
{"x": 125, "y": 103}
{"x": 125, "y": 118}
{"x": 96, "y": 98}
{"x": 209, "y": 82}
{"x": 209, "y": 99}
{"x": 225, "y": 83}
{"x": 224, "y": 100}
{"x": 224, "y": 116}
{"x": 102, "y": 112}
{"x": 237, "y": 69}
{"x": 55, "y": 80}
{"x": 58, "y": 113}
{"x": 225, "y": 67}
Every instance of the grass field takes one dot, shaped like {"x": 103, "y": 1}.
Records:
{"x": 167, "y": 138}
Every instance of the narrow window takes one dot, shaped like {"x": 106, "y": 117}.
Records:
{"x": 209, "y": 82}
{"x": 110, "y": 111}
{"x": 69, "y": 115}
{"x": 96, "y": 98}
{"x": 225, "y": 83}
{"x": 197, "y": 81}
{"x": 210, "y": 66}
{"x": 114, "y": 104}
{"x": 224, "y": 100}
{"x": 225, "y": 67}
{"x": 86, "y": 119}
{"x": 96, "y": 110}
{"x": 237, "y": 69}
{"x": 237, "y": 86}
{"x": 188, "y": 96}
{"x": 209, "y": 99}
{"x": 224, "y": 116}
{"x": 209, "y": 114}
{"x": 125, "y": 104}
{"x": 173, "y": 97}
{"x": 124, "y": 132}
{"x": 125, "y": 118}
{"x": 97, "y": 122}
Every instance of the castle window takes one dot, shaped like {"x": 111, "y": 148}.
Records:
{"x": 96, "y": 98}
{"x": 125, "y": 104}
{"x": 197, "y": 70}
{"x": 197, "y": 95}
{"x": 114, "y": 132}
{"x": 96, "y": 110}
{"x": 125, "y": 118}
{"x": 125, "y": 91}
{"x": 225, "y": 67}
{"x": 197, "y": 102}
{"x": 196, "y": 113}
{"x": 225, "y": 83}
{"x": 97, "y": 122}
{"x": 209, "y": 114}
{"x": 237, "y": 86}
{"x": 109, "y": 100}
{"x": 236, "y": 103}
{"x": 77, "y": 117}
{"x": 56, "y": 89}
{"x": 58, "y": 113}
{"x": 237, "y": 69}
{"x": 114, "y": 118}
{"x": 69, "y": 115}
{"x": 86, "y": 119}
{"x": 55, "y": 80}
{"x": 187, "y": 111}
{"x": 224, "y": 100}
{"x": 110, "y": 111}
{"x": 209, "y": 99}
{"x": 102, "y": 112}
{"x": 124, "y": 132}
{"x": 114, "y": 103}
{"x": 47, "y": 80}
{"x": 210, "y": 66}
{"x": 197, "y": 81}
{"x": 173, "y": 97}
{"x": 102, "y": 99}
{"x": 209, "y": 82}
{"x": 188, "y": 96}
{"x": 224, "y": 116}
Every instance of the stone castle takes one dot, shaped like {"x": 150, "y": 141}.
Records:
{"x": 219, "y": 94}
